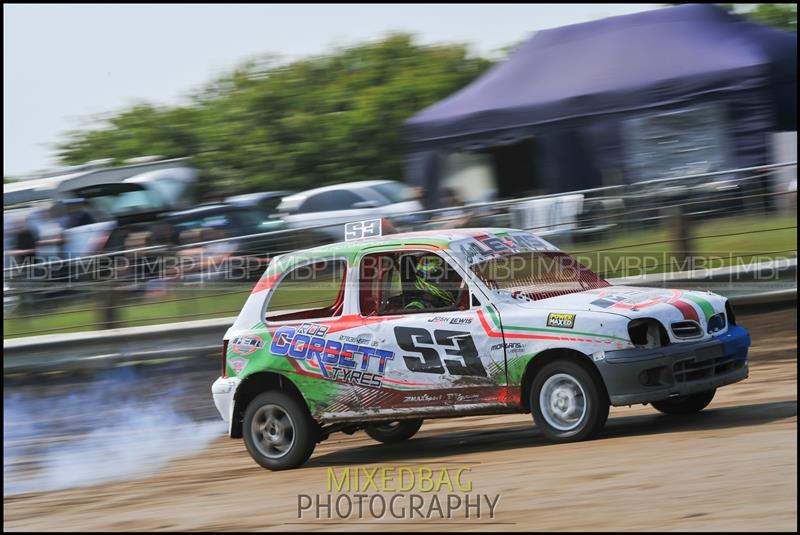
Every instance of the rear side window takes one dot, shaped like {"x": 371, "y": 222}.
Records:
{"x": 248, "y": 219}
{"x": 330, "y": 200}
{"x": 309, "y": 291}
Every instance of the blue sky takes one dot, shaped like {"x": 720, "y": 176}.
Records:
{"x": 66, "y": 64}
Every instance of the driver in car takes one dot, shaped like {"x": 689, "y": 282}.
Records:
{"x": 429, "y": 279}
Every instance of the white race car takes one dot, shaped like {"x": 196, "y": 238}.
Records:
{"x": 381, "y": 332}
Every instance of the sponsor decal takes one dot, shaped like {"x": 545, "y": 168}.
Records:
{"x": 560, "y": 320}
{"x": 511, "y": 347}
{"x": 246, "y": 344}
{"x": 453, "y": 321}
{"x": 454, "y": 397}
{"x": 237, "y": 364}
{"x": 641, "y": 299}
{"x": 356, "y": 377}
{"x": 598, "y": 356}
{"x": 346, "y": 362}
{"x": 417, "y": 398}
{"x": 480, "y": 248}
{"x": 314, "y": 329}
{"x": 361, "y": 340}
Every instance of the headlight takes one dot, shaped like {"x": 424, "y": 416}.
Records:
{"x": 729, "y": 313}
{"x": 647, "y": 332}
{"x": 716, "y": 323}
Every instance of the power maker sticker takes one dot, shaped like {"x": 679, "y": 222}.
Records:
{"x": 563, "y": 321}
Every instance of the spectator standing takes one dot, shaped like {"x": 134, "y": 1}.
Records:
{"x": 24, "y": 242}
{"x": 77, "y": 214}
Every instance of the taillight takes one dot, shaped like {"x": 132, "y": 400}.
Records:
{"x": 224, "y": 358}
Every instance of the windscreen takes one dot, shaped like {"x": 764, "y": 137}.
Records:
{"x": 394, "y": 191}
{"x": 537, "y": 275}
{"x": 120, "y": 199}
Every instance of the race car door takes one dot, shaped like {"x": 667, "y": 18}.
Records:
{"x": 442, "y": 359}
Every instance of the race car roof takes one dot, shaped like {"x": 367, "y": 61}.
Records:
{"x": 441, "y": 239}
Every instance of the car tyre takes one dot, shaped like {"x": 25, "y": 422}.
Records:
{"x": 567, "y": 402}
{"x": 396, "y": 431}
{"x": 278, "y": 431}
{"x": 685, "y": 404}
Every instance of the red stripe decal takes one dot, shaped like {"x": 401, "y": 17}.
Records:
{"x": 688, "y": 311}
{"x": 265, "y": 283}
{"x": 352, "y": 321}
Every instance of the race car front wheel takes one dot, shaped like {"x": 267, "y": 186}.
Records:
{"x": 278, "y": 431}
{"x": 567, "y": 403}
{"x": 685, "y": 404}
{"x": 397, "y": 431}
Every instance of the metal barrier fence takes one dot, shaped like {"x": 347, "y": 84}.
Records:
{"x": 670, "y": 224}
{"x": 201, "y": 338}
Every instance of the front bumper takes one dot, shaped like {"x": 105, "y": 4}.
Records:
{"x": 224, "y": 390}
{"x": 644, "y": 375}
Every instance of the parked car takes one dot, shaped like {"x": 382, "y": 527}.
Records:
{"x": 224, "y": 224}
{"x": 122, "y": 207}
{"x": 243, "y": 233}
{"x": 234, "y": 220}
{"x": 382, "y": 332}
{"x": 328, "y": 208}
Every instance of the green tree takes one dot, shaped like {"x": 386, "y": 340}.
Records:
{"x": 780, "y": 16}
{"x": 139, "y": 130}
{"x": 267, "y": 125}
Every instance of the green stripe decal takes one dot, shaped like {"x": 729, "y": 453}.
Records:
{"x": 708, "y": 309}
{"x": 550, "y": 330}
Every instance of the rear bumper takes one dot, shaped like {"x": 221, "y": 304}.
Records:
{"x": 224, "y": 390}
{"x": 644, "y": 375}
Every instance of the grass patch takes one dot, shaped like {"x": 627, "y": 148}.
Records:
{"x": 714, "y": 243}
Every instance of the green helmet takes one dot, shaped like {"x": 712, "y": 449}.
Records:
{"x": 430, "y": 271}
{"x": 430, "y": 268}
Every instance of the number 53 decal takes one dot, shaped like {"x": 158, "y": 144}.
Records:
{"x": 428, "y": 360}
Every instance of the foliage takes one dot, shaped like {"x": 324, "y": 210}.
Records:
{"x": 266, "y": 125}
{"x": 780, "y": 16}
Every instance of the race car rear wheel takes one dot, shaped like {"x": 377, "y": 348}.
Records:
{"x": 567, "y": 403}
{"x": 278, "y": 431}
{"x": 396, "y": 431}
{"x": 685, "y": 404}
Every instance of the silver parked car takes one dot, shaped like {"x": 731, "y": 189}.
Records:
{"x": 328, "y": 208}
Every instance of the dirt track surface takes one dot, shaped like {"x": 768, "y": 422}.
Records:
{"x": 731, "y": 467}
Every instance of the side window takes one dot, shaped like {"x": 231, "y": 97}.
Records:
{"x": 216, "y": 220}
{"x": 410, "y": 282}
{"x": 309, "y": 291}
{"x": 330, "y": 200}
